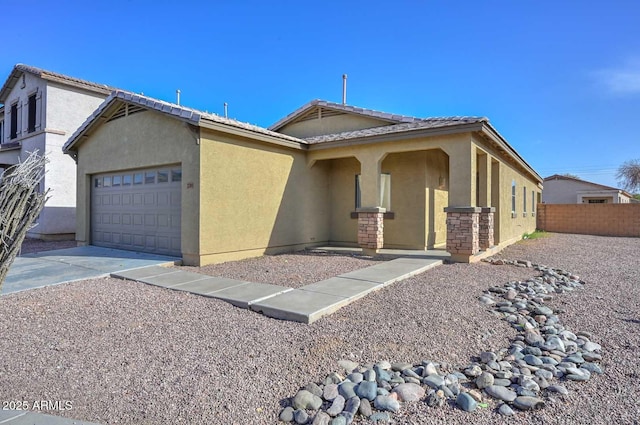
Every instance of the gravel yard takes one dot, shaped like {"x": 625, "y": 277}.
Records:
{"x": 129, "y": 353}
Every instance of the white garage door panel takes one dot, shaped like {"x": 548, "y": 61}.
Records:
{"x": 137, "y": 210}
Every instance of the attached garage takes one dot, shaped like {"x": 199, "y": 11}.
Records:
{"x": 137, "y": 210}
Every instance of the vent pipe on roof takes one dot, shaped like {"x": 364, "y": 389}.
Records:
{"x": 344, "y": 89}
{"x": 178, "y": 96}
{"x": 225, "y": 110}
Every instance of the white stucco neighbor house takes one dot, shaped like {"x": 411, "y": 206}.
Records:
{"x": 40, "y": 110}
{"x": 559, "y": 189}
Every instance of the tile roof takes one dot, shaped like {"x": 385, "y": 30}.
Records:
{"x": 601, "y": 186}
{"x": 392, "y": 118}
{"x": 50, "y": 76}
{"x": 184, "y": 113}
{"x": 418, "y": 124}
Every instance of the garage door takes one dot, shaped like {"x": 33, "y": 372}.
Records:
{"x": 137, "y": 210}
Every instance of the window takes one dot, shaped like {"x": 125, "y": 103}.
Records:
{"x": 163, "y": 176}
{"x": 597, "y": 201}
{"x": 97, "y": 182}
{"x": 176, "y": 175}
{"x": 1, "y": 131}
{"x": 126, "y": 180}
{"x": 137, "y": 178}
{"x": 31, "y": 117}
{"x": 513, "y": 197}
{"x": 14, "y": 121}
{"x": 107, "y": 182}
{"x": 385, "y": 192}
{"x": 524, "y": 200}
{"x": 116, "y": 181}
{"x": 149, "y": 177}
{"x": 533, "y": 202}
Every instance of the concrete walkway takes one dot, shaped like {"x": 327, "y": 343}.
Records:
{"x": 23, "y": 417}
{"x": 67, "y": 265}
{"x": 306, "y": 304}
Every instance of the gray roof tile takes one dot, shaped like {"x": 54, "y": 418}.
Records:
{"x": 344, "y": 108}
{"x": 193, "y": 116}
{"x": 51, "y": 76}
{"x": 419, "y": 124}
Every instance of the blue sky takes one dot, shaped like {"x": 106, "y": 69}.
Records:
{"x": 560, "y": 80}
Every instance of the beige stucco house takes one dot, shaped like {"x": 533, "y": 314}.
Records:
{"x": 163, "y": 178}
{"x": 559, "y": 189}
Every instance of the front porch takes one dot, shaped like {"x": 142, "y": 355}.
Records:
{"x": 413, "y": 195}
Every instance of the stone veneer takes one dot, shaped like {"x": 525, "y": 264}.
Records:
{"x": 462, "y": 230}
{"x": 371, "y": 228}
{"x": 485, "y": 231}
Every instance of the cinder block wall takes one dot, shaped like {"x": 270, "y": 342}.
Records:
{"x": 590, "y": 219}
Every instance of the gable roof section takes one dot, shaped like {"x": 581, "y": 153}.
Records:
{"x": 310, "y": 110}
{"x": 20, "y": 69}
{"x": 596, "y": 185}
{"x": 189, "y": 115}
{"x": 419, "y": 124}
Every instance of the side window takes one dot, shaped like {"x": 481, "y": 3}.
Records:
{"x": 31, "y": 117}
{"x": 14, "y": 121}
{"x": 385, "y": 191}
{"x": 358, "y": 201}
{"x": 524, "y": 199}
{"x": 533, "y": 201}
{"x": 513, "y": 197}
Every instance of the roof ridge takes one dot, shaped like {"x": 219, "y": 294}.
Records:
{"x": 560, "y": 176}
{"x": 14, "y": 76}
{"x": 192, "y": 115}
{"x": 40, "y": 72}
{"x": 387, "y": 116}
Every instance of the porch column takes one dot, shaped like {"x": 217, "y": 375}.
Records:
{"x": 462, "y": 232}
{"x": 370, "y": 213}
{"x": 484, "y": 180}
{"x": 371, "y": 229}
{"x": 485, "y": 232}
{"x": 463, "y": 216}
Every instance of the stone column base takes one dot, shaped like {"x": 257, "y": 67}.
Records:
{"x": 485, "y": 232}
{"x": 462, "y": 231}
{"x": 371, "y": 229}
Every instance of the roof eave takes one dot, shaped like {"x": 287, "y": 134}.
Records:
{"x": 9, "y": 84}
{"x": 491, "y": 132}
{"x": 237, "y": 131}
{"x": 403, "y": 135}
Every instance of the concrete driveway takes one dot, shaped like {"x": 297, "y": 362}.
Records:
{"x": 67, "y": 265}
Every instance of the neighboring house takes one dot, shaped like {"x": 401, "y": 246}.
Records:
{"x": 560, "y": 189}
{"x": 41, "y": 109}
{"x": 163, "y": 178}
